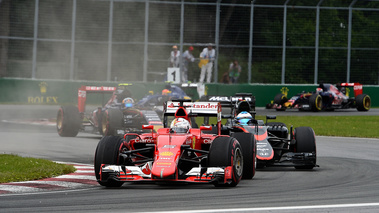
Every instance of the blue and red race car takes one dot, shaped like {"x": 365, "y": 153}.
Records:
{"x": 326, "y": 97}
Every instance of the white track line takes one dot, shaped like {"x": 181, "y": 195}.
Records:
{"x": 276, "y": 208}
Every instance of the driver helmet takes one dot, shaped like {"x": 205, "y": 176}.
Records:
{"x": 128, "y": 102}
{"x": 166, "y": 92}
{"x": 180, "y": 125}
{"x": 318, "y": 90}
{"x": 243, "y": 118}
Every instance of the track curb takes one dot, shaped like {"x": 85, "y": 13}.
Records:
{"x": 83, "y": 177}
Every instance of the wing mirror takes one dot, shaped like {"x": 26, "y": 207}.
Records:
{"x": 147, "y": 127}
{"x": 205, "y": 128}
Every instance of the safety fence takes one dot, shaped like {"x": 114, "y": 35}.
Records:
{"x": 282, "y": 42}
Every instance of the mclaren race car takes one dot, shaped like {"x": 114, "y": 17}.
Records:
{"x": 276, "y": 145}
{"x": 179, "y": 152}
{"x": 116, "y": 117}
{"x": 326, "y": 97}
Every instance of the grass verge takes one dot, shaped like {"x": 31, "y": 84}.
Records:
{"x": 14, "y": 168}
{"x": 343, "y": 126}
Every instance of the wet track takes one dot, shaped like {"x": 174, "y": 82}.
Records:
{"x": 347, "y": 175}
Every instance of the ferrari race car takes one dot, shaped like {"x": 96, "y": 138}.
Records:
{"x": 176, "y": 153}
{"x": 326, "y": 97}
{"x": 116, "y": 117}
{"x": 276, "y": 145}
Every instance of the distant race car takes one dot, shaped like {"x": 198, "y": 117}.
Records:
{"x": 276, "y": 145}
{"x": 326, "y": 97}
{"x": 116, "y": 117}
{"x": 175, "y": 153}
{"x": 156, "y": 101}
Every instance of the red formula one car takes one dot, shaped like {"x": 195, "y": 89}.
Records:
{"x": 326, "y": 97}
{"x": 176, "y": 153}
{"x": 115, "y": 117}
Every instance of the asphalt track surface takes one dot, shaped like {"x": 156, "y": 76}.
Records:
{"x": 346, "y": 181}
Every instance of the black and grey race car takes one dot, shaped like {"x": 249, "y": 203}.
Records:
{"x": 276, "y": 145}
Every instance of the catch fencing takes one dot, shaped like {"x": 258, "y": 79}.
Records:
{"x": 285, "y": 41}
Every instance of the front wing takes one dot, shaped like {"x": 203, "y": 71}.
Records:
{"x": 141, "y": 174}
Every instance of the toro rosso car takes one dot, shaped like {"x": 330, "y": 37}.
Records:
{"x": 276, "y": 145}
{"x": 326, "y": 97}
{"x": 174, "y": 153}
{"x": 116, "y": 117}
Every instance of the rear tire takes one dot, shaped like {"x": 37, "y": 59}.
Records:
{"x": 280, "y": 99}
{"x": 305, "y": 142}
{"x": 68, "y": 121}
{"x": 111, "y": 121}
{"x": 363, "y": 102}
{"x": 248, "y": 144}
{"x": 315, "y": 102}
{"x": 224, "y": 152}
{"x": 107, "y": 152}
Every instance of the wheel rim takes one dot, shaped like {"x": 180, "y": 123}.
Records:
{"x": 318, "y": 102}
{"x": 104, "y": 124}
{"x": 366, "y": 102}
{"x": 238, "y": 162}
{"x": 59, "y": 120}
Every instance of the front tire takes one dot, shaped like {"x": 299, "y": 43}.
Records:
{"x": 107, "y": 152}
{"x": 315, "y": 102}
{"x": 248, "y": 144}
{"x": 224, "y": 152}
{"x": 68, "y": 121}
{"x": 305, "y": 142}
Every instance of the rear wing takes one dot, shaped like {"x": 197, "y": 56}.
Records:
{"x": 358, "y": 88}
{"x": 189, "y": 110}
{"x": 193, "y": 109}
{"x": 233, "y": 102}
{"x": 83, "y": 90}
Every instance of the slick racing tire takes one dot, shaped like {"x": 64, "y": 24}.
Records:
{"x": 363, "y": 102}
{"x": 107, "y": 152}
{"x": 248, "y": 144}
{"x": 305, "y": 142}
{"x": 315, "y": 102}
{"x": 227, "y": 151}
{"x": 68, "y": 121}
{"x": 280, "y": 99}
{"x": 111, "y": 120}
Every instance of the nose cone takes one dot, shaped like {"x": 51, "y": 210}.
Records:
{"x": 164, "y": 170}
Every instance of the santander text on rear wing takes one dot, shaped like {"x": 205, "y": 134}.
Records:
{"x": 211, "y": 109}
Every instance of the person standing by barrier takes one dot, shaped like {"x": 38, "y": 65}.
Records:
{"x": 207, "y": 56}
{"x": 234, "y": 72}
{"x": 174, "y": 57}
{"x": 187, "y": 57}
